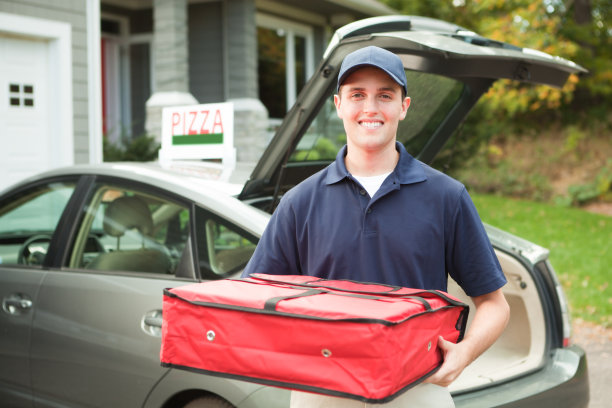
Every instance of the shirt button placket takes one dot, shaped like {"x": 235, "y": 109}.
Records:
{"x": 367, "y": 220}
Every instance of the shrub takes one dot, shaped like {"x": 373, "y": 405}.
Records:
{"x": 599, "y": 188}
{"x": 142, "y": 148}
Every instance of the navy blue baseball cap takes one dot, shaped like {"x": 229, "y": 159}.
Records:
{"x": 374, "y": 57}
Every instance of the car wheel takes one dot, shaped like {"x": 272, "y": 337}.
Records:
{"x": 209, "y": 401}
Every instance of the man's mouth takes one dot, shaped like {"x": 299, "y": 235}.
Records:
{"x": 370, "y": 124}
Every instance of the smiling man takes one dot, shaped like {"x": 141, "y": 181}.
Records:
{"x": 378, "y": 215}
{"x": 371, "y": 105}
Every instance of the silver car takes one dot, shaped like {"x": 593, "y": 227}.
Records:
{"x": 86, "y": 251}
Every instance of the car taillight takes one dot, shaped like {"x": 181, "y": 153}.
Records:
{"x": 563, "y": 305}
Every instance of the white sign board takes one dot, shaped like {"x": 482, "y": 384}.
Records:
{"x": 198, "y": 132}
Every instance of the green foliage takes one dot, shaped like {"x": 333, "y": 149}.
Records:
{"x": 493, "y": 174}
{"x": 578, "y": 31}
{"x": 599, "y": 188}
{"x": 567, "y": 165}
{"x": 324, "y": 149}
{"x": 465, "y": 143}
{"x": 574, "y": 136}
{"x": 442, "y": 9}
{"x": 579, "y": 243}
{"x": 594, "y": 38}
{"x": 142, "y": 148}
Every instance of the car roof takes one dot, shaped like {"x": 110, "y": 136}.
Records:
{"x": 206, "y": 184}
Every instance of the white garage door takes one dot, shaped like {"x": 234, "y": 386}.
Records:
{"x": 26, "y": 145}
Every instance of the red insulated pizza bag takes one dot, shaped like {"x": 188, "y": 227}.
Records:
{"x": 364, "y": 341}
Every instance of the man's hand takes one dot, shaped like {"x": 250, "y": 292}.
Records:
{"x": 455, "y": 360}
{"x": 490, "y": 320}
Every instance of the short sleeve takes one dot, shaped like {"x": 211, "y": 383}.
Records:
{"x": 471, "y": 260}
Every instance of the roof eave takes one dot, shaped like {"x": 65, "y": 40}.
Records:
{"x": 367, "y": 7}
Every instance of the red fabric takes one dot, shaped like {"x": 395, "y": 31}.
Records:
{"x": 363, "y": 341}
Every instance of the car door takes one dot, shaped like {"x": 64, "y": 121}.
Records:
{"x": 96, "y": 333}
{"x": 29, "y": 218}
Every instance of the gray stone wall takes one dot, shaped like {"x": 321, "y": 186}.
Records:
{"x": 206, "y": 52}
{"x": 170, "y": 51}
{"x": 241, "y": 49}
{"x": 250, "y": 129}
{"x": 170, "y": 43}
{"x": 250, "y": 115}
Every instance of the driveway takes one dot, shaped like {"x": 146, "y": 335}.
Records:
{"x": 597, "y": 341}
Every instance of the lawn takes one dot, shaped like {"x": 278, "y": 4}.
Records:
{"x": 580, "y": 245}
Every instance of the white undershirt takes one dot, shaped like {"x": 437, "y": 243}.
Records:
{"x": 372, "y": 183}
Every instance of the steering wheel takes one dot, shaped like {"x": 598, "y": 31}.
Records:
{"x": 33, "y": 256}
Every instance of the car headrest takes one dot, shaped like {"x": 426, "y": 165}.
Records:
{"x": 126, "y": 213}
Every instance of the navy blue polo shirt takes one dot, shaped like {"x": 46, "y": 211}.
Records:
{"x": 419, "y": 227}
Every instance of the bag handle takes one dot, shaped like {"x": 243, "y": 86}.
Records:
{"x": 317, "y": 283}
{"x": 271, "y": 303}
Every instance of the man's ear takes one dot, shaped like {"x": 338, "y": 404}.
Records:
{"x": 405, "y": 106}
{"x": 337, "y": 102}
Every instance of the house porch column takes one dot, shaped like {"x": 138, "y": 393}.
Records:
{"x": 250, "y": 115}
{"x": 170, "y": 61}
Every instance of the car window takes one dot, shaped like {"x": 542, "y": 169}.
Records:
{"x": 124, "y": 229}
{"x": 29, "y": 219}
{"x": 223, "y": 248}
{"x": 432, "y": 97}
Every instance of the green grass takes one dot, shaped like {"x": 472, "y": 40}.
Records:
{"x": 580, "y": 245}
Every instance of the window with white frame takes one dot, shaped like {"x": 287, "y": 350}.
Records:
{"x": 285, "y": 62}
{"x": 127, "y": 78}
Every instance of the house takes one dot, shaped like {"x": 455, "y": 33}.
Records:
{"x": 75, "y": 71}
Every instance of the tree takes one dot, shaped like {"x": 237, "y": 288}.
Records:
{"x": 589, "y": 24}
{"x": 578, "y": 30}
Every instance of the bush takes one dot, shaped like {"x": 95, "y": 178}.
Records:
{"x": 599, "y": 188}
{"x": 142, "y": 149}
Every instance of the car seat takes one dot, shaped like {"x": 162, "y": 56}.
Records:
{"x": 123, "y": 214}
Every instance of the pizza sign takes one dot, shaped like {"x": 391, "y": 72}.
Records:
{"x": 197, "y": 126}
{"x": 198, "y": 132}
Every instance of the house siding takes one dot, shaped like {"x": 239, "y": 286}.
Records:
{"x": 73, "y": 12}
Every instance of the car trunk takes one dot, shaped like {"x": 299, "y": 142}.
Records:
{"x": 522, "y": 346}
{"x": 448, "y": 69}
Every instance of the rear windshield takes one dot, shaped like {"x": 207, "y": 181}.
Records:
{"x": 432, "y": 97}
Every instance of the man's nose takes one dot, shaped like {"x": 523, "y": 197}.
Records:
{"x": 370, "y": 104}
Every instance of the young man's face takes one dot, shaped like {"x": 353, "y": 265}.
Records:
{"x": 370, "y": 104}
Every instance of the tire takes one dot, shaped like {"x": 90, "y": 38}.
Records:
{"x": 208, "y": 401}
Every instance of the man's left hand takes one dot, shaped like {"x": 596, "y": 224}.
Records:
{"x": 455, "y": 362}
{"x": 492, "y": 314}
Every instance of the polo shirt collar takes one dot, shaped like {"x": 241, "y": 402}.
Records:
{"x": 408, "y": 169}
